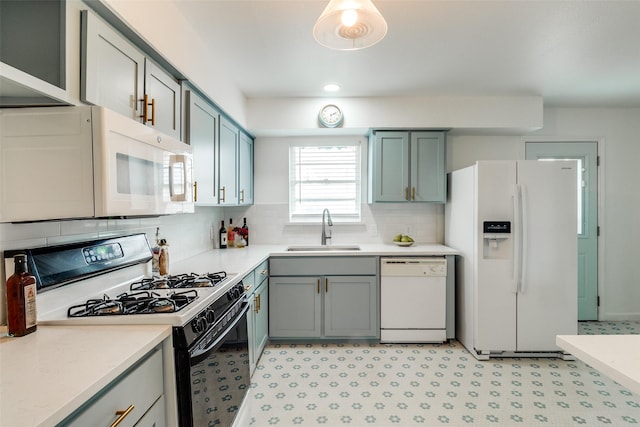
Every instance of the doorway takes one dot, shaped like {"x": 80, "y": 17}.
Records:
{"x": 586, "y": 154}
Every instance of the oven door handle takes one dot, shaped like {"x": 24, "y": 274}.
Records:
{"x": 200, "y": 355}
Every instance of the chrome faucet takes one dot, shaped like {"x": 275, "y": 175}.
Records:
{"x": 329, "y": 223}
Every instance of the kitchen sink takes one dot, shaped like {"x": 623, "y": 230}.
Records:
{"x": 321, "y": 248}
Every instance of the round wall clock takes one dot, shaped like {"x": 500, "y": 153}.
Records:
{"x": 330, "y": 116}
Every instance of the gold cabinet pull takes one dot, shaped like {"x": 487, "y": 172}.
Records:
{"x": 406, "y": 193}
{"x": 195, "y": 191}
{"x": 223, "y": 194}
{"x": 145, "y": 110}
{"x": 259, "y": 303}
{"x": 256, "y": 304}
{"x": 326, "y": 285}
{"x": 413, "y": 193}
{"x": 122, "y": 415}
{"x": 242, "y": 196}
{"x": 318, "y": 285}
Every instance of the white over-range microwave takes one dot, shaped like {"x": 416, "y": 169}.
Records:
{"x": 89, "y": 162}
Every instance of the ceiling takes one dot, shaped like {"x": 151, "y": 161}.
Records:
{"x": 572, "y": 53}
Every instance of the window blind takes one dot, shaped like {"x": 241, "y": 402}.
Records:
{"x": 324, "y": 176}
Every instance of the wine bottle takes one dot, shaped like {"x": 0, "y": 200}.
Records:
{"x": 21, "y": 299}
{"x": 223, "y": 236}
{"x": 231, "y": 234}
{"x": 245, "y": 229}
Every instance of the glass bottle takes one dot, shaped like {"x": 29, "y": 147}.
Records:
{"x": 21, "y": 299}
{"x": 223, "y": 236}
{"x": 231, "y": 234}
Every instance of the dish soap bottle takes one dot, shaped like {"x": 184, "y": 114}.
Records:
{"x": 21, "y": 299}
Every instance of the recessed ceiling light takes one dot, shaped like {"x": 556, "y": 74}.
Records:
{"x": 331, "y": 87}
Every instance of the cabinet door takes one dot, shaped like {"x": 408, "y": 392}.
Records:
{"x": 390, "y": 167}
{"x": 294, "y": 307}
{"x": 112, "y": 68}
{"x": 245, "y": 170}
{"x": 163, "y": 95}
{"x": 261, "y": 319}
{"x": 350, "y": 306}
{"x": 228, "y": 183}
{"x": 428, "y": 182}
{"x": 202, "y": 133}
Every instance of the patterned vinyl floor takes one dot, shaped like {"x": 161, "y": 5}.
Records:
{"x": 363, "y": 384}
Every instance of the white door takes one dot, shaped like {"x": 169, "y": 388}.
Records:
{"x": 547, "y": 292}
{"x": 586, "y": 153}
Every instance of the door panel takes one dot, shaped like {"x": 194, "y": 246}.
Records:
{"x": 391, "y": 167}
{"x": 586, "y": 153}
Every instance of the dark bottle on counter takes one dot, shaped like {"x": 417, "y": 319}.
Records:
{"x": 223, "y": 236}
{"x": 21, "y": 299}
{"x": 245, "y": 232}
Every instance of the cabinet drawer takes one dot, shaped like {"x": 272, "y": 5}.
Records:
{"x": 262, "y": 272}
{"x": 249, "y": 282}
{"x": 319, "y": 266}
{"x": 141, "y": 387}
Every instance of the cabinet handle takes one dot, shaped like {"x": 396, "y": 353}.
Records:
{"x": 153, "y": 111}
{"x": 195, "y": 191}
{"x": 264, "y": 272}
{"x": 145, "y": 110}
{"x": 259, "y": 302}
{"x": 256, "y": 304}
{"x": 406, "y": 193}
{"x": 223, "y": 194}
{"x": 318, "y": 285}
{"x": 122, "y": 415}
{"x": 241, "y": 196}
{"x": 413, "y": 193}
{"x": 326, "y": 285}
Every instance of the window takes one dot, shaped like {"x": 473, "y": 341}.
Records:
{"x": 324, "y": 176}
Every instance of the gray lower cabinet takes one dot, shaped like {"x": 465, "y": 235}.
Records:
{"x": 341, "y": 303}
{"x": 258, "y": 315}
{"x": 117, "y": 75}
{"x": 136, "y": 398}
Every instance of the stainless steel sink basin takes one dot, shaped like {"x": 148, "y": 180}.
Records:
{"x": 320, "y": 248}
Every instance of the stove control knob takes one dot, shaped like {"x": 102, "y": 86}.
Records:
{"x": 210, "y": 316}
{"x": 199, "y": 324}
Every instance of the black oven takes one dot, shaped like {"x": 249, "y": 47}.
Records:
{"x": 212, "y": 372}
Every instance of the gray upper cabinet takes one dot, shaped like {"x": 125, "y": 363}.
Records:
{"x": 407, "y": 166}
{"x": 202, "y": 122}
{"x": 35, "y": 67}
{"x": 228, "y": 162}
{"x": 245, "y": 170}
{"x": 117, "y": 75}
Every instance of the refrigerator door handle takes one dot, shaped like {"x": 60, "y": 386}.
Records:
{"x": 517, "y": 244}
{"x": 524, "y": 219}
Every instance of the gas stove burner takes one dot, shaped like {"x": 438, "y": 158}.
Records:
{"x": 190, "y": 280}
{"x": 134, "y": 303}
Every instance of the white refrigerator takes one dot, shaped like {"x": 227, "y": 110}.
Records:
{"x": 515, "y": 224}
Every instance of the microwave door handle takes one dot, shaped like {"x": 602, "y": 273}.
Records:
{"x": 177, "y": 159}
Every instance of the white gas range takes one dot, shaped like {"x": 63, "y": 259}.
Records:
{"x": 105, "y": 281}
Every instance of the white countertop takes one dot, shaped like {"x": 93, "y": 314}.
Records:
{"x": 242, "y": 260}
{"x": 616, "y": 356}
{"x": 48, "y": 374}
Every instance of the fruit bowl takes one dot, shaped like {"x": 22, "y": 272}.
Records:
{"x": 403, "y": 244}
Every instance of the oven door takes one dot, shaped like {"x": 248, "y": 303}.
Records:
{"x": 218, "y": 376}
{"x": 137, "y": 170}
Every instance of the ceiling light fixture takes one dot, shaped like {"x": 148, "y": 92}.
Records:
{"x": 331, "y": 87}
{"x": 349, "y": 25}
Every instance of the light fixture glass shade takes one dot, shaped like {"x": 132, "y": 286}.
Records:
{"x": 333, "y": 29}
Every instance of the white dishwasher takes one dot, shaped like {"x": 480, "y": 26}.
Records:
{"x": 413, "y": 300}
